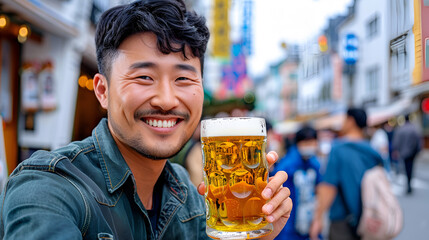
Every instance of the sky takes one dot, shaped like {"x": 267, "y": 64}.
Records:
{"x": 290, "y": 21}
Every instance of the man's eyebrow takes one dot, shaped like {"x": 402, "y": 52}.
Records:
{"x": 142, "y": 65}
{"x": 186, "y": 67}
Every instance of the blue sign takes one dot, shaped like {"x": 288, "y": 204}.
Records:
{"x": 350, "y": 54}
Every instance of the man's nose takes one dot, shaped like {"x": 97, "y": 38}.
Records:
{"x": 165, "y": 97}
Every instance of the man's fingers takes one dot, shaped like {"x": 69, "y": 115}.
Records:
{"x": 282, "y": 210}
{"x": 274, "y": 184}
{"x": 272, "y": 158}
{"x": 281, "y": 195}
{"x": 201, "y": 188}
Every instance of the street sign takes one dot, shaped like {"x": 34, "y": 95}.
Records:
{"x": 350, "y": 54}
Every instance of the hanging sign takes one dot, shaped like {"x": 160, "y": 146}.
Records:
{"x": 29, "y": 88}
{"x": 48, "y": 100}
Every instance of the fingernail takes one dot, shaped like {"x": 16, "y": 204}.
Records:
{"x": 267, "y": 193}
{"x": 270, "y": 219}
{"x": 268, "y": 208}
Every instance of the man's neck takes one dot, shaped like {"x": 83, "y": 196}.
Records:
{"x": 355, "y": 134}
{"x": 145, "y": 171}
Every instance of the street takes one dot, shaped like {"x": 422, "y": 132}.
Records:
{"x": 415, "y": 206}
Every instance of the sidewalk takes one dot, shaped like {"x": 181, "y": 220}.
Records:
{"x": 421, "y": 165}
{"x": 415, "y": 206}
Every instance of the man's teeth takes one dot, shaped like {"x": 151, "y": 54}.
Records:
{"x": 161, "y": 123}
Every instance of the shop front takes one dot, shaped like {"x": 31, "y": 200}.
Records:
{"x": 41, "y": 53}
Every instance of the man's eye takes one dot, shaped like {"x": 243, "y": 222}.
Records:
{"x": 182, "y": 78}
{"x": 145, "y": 77}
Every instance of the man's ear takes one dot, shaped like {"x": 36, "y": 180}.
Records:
{"x": 101, "y": 89}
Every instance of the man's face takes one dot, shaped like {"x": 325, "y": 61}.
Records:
{"x": 347, "y": 125}
{"x": 154, "y": 100}
{"x": 307, "y": 148}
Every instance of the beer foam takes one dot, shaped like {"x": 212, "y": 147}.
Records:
{"x": 218, "y": 127}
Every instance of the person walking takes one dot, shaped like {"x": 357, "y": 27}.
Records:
{"x": 340, "y": 190}
{"x": 304, "y": 175}
{"x": 380, "y": 142}
{"x": 117, "y": 183}
{"x": 407, "y": 143}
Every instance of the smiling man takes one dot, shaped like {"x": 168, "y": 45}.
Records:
{"x": 118, "y": 183}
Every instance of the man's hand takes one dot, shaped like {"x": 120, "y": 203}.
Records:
{"x": 279, "y": 206}
{"x": 326, "y": 194}
{"x": 316, "y": 228}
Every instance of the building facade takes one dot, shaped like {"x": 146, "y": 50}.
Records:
{"x": 45, "y": 47}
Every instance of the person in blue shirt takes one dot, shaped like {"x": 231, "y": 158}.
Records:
{"x": 340, "y": 191}
{"x": 303, "y": 167}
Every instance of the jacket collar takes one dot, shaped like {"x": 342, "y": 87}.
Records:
{"x": 113, "y": 165}
{"x": 116, "y": 170}
{"x": 174, "y": 183}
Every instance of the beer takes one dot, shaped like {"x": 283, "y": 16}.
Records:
{"x": 235, "y": 173}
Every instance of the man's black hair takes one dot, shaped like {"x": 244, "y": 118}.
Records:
{"x": 174, "y": 26}
{"x": 305, "y": 133}
{"x": 359, "y": 115}
{"x": 268, "y": 125}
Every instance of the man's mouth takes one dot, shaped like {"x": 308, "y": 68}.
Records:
{"x": 160, "y": 123}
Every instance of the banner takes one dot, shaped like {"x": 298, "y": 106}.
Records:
{"x": 235, "y": 81}
{"x": 221, "y": 28}
{"x": 247, "y": 26}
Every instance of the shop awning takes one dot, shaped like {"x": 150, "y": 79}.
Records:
{"x": 287, "y": 127}
{"x": 35, "y": 12}
{"x": 334, "y": 122}
{"x": 378, "y": 115}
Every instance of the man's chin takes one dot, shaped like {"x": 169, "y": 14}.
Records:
{"x": 159, "y": 154}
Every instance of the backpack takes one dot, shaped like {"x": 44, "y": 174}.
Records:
{"x": 381, "y": 217}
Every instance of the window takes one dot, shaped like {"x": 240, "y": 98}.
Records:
{"x": 372, "y": 28}
{"x": 399, "y": 58}
{"x": 372, "y": 79}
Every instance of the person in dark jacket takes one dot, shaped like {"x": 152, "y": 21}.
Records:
{"x": 407, "y": 143}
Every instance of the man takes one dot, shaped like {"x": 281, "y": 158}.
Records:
{"x": 339, "y": 191}
{"x": 407, "y": 143}
{"x": 303, "y": 168}
{"x": 117, "y": 184}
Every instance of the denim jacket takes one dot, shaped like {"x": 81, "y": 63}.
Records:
{"x": 86, "y": 190}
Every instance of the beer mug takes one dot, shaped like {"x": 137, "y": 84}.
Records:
{"x": 235, "y": 174}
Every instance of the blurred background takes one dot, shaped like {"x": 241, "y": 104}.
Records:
{"x": 292, "y": 62}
